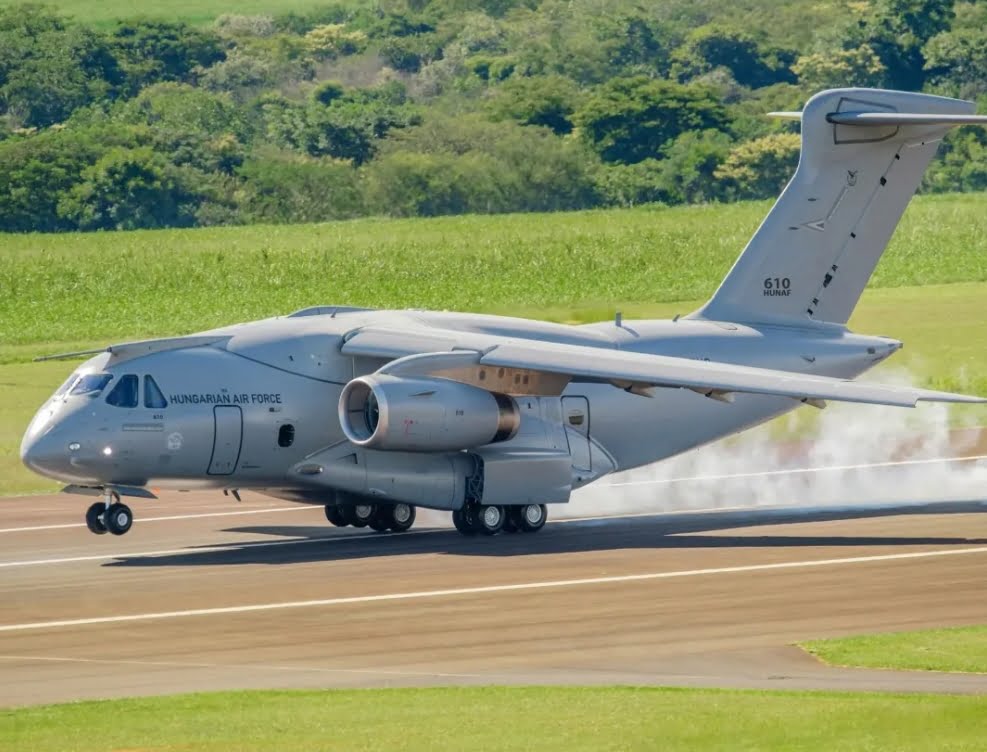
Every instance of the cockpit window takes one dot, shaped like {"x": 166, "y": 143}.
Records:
{"x": 124, "y": 394}
{"x": 91, "y": 384}
{"x": 152, "y": 394}
{"x": 70, "y": 381}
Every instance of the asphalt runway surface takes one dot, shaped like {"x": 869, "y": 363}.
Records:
{"x": 208, "y": 594}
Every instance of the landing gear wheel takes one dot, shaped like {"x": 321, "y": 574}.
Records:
{"x": 532, "y": 517}
{"x": 118, "y": 518}
{"x": 490, "y": 519}
{"x": 335, "y": 515}
{"x": 463, "y": 520}
{"x": 381, "y": 521}
{"x": 359, "y": 515}
{"x": 402, "y": 517}
{"x": 94, "y": 518}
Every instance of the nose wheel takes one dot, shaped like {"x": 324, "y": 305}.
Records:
{"x": 109, "y": 516}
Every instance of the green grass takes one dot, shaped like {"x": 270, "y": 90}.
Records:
{"x": 505, "y": 719}
{"x": 72, "y": 287}
{"x": 956, "y": 649}
{"x": 202, "y": 12}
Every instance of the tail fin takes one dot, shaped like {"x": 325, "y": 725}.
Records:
{"x": 863, "y": 154}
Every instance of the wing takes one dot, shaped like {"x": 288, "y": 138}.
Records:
{"x": 461, "y": 355}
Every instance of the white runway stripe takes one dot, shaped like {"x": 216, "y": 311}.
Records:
{"x": 487, "y": 589}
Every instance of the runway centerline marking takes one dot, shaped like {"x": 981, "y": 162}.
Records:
{"x": 297, "y": 508}
{"x": 484, "y": 589}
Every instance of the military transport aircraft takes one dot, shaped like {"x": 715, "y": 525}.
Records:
{"x": 374, "y": 413}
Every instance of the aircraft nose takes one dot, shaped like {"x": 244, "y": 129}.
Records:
{"x": 45, "y": 453}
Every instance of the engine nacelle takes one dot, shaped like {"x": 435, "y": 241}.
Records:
{"x": 386, "y": 412}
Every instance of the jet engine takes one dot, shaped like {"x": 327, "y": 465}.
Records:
{"x": 392, "y": 413}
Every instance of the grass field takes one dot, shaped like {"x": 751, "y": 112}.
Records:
{"x": 493, "y": 718}
{"x": 75, "y": 287}
{"x": 958, "y": 649}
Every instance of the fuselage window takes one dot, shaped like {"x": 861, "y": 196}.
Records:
{"x": 153, "y": 397}
{"x": 91, "y": 384}
{"x": 124, "y": 394}
{"x": 286, "y": 435}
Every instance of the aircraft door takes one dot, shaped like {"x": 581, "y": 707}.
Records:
{"x": 575, "y": 416}
{"x": 226, "y": 440}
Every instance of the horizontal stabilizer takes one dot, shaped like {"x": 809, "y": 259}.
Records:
{"x": 890, "y": 118}
{"x": 903, "y": 118}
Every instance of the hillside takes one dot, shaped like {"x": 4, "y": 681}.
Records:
{"x": 289, "y": 111}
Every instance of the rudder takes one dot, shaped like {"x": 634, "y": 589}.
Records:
{"x": 864, "y": 152}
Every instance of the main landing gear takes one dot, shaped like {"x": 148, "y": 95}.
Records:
{"x": 109, "y": 515}
{"x": 397, "y": 518}
{"x": 473, "y": 519}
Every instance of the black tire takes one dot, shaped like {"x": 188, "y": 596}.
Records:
{"x": 463, "y": 521}
{"x": 118, "y": 519}
{"x": 94, "y": 518}
{"x": 402, "y": 517}
{"x": 383, "y": 516}
{"x": 359, "y": 515}
{"x": 489, "y": 519}
{"x": 335, "y": 515}
{"x": 512, "y": 523}
{"x": 532, "y": 518}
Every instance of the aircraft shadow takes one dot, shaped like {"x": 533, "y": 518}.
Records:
{"x": 296, "y": 544}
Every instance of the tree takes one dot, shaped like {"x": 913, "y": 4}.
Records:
{"x": 956, "y": 61}
{"x": 330, "y": 41}
{"x": 48, "y": 69}
{"x": 538, "y": 100}
{"x": 711, "y": 47}
{"x": 466, "y": 164}
{"x": 630, "y": 119}
{"x": 899, "y": 29}
{"x": 962, "y": 165}
{"x": 760, "y": 168}
{"x": 284, "y": 187}
{"x": 129, "y": 189}
{"x": 151, "y": 50}
{"x": 36, "y": 171}
{"x": 349, "y": 127}
{"x": 825, "y": 70}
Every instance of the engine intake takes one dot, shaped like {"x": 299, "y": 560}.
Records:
{"x": 424, "y": 414}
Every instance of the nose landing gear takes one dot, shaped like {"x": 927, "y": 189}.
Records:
{"x": 109, "y": 515}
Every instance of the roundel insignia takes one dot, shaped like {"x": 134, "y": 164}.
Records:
{"x": 175, "y": 442}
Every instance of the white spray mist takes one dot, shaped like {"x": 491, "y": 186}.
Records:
{"x": 855, "y": 455}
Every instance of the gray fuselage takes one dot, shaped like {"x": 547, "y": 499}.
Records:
{"x": 247, "y": 410}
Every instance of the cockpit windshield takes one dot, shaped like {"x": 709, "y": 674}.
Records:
{"x": 91, "y": 384}
{"x": 69, "y": 382}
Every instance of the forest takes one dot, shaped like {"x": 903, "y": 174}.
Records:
{"x": 434, "y": 107}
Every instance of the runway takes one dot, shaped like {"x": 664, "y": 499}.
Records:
{"x": 207, "y": 594}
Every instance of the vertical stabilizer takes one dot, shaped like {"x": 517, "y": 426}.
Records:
{"x": 863, "y": 155}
